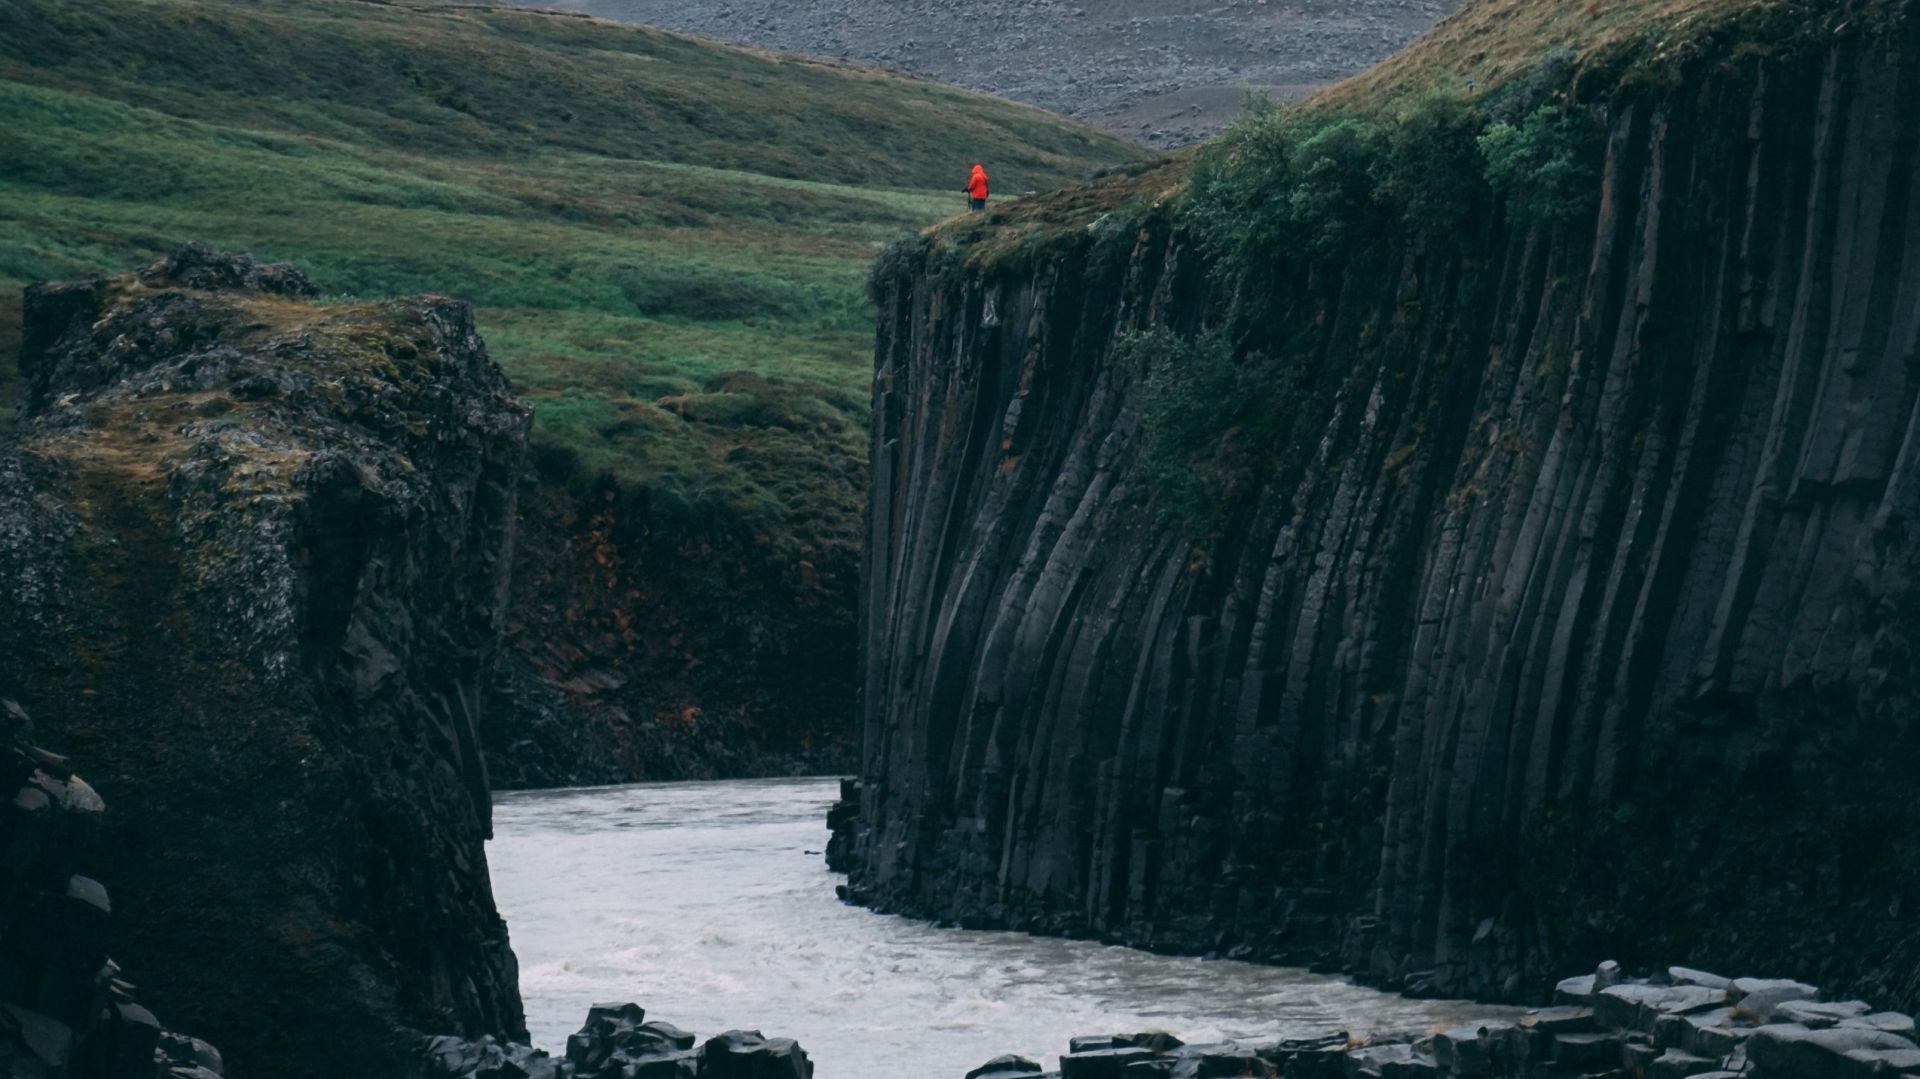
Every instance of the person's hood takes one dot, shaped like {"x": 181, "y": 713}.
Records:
{"x": 979, "y": 170}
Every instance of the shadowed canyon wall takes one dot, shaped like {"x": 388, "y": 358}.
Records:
{"x": 644, "y": 646}
{"x": 252, "y": 569}
{"x": 1578, "y": 620}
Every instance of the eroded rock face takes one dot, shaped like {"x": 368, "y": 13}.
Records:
{"x": 252, "y": 559}
{"x": 641, "y": 647}
{"x": 1587, "y": 626}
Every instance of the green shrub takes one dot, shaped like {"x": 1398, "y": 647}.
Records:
{"x": 1320, "y": 186}
{"x": 1548, "y": 165}
{"x": 1434, "y": 172}
{"x": 1213, "y": 423}
{"x": 1301, "y": 213}
{"x": 1236, "y": 202}
{"x": 1552, "y": 77}
{"x": 1316, "y": 187}
{"x": 1336, "y": 195}
{"x": 1280, "y": 182}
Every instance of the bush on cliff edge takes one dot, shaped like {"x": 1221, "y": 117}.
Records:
{"x": 1302, "y": 212}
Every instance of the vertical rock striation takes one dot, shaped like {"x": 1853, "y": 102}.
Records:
{"x": 252, "y": 555}
{"x": 1586, "y": 622}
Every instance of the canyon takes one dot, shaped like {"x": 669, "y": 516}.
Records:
{"x": 1443, "y": 534}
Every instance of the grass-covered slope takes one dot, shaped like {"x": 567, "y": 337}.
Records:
{"x": 636, "y": 213}
{"x": 667, "y": 241}
{"x": 1491, "y": 42}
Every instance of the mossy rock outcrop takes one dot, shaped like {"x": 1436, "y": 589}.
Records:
{"x": 252, "y": 563}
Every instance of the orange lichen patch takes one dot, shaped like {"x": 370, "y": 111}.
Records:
{"x": 133, "y": 445}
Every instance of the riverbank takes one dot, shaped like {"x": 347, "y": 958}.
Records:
{"x": 706, "y": 902}
{"x": 1676, "y": 1024}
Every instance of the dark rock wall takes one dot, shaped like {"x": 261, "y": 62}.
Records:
{"x": 1587, "y": 626}
{"x": 645, "y": 646}
{"x": 65, "y": 1010}
{"x": 253, "y": 557}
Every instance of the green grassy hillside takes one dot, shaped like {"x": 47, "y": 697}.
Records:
{"x": 666, "y": 237}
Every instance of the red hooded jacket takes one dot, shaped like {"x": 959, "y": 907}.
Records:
{"x": 977, "y": 186}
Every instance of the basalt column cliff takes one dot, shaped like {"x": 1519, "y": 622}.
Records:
{"x": 1570, "y": 609}
{"x": 252, "y": 558}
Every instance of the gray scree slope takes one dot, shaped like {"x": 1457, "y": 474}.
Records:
{"x": 1164, "y": 73}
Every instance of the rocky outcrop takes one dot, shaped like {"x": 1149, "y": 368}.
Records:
{"x": 64, "y": 1009}
{"x": 253, "y": 556}
{"x": 843, "y": 827}
{"x": 1680, "y": 1024}
{"x": 1578, "y": 618}
{"x": 619, "y": 1042}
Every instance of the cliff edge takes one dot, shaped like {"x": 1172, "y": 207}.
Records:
{"x": 1455, "y": 531}
{"x": 252, "y": 555}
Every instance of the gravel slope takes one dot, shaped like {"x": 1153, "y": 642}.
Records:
{"x": 1163, "y": 72}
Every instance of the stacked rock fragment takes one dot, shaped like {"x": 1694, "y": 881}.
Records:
{"x": 65, "y": 1012}
{"x": 1680, "y": 1024}
{"x": 618, "y": 1042}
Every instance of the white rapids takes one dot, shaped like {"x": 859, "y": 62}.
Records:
{"x": 709, "y": 904}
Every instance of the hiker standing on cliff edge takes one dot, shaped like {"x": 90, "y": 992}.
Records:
{"x": 976, "y": 190}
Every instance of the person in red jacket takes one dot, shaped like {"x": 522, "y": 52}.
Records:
{"x": 976, "y": 190}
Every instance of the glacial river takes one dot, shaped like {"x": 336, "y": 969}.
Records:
{"x": 708, "y": 904}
